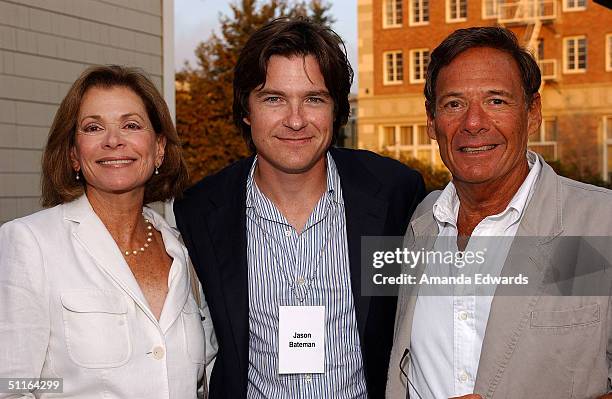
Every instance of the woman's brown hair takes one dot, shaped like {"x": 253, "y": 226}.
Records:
{"x": 58, "y": 177}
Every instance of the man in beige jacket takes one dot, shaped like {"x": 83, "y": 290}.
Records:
{"x": 539, "y": 340}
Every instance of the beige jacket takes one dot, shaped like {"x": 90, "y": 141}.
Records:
{"x": 535, "y": 345}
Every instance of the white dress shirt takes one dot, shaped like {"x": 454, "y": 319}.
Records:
{"x": 72, "y": 309}
{"x": 449, "y": 324}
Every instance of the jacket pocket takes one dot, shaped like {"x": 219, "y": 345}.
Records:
{"x": 195, "y": 340}
{"x": 581, "y": 316}
{"x": 96, "y": 328}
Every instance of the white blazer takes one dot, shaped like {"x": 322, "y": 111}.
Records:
{"x": 71, "y": 308}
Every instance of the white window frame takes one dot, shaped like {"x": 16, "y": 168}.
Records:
{"x": 572, "y": 8}
{"x": 496, "y": 4}
{"x": 448, "y": 11}
{"x": 382, "y": 137}
{"x": 566, "y": 41}
{"x": 387, "y": 25}
{"x": 411, "y": 15}
{"x": 608, "y": 45}
{"x": 541, "y": 137}
{"x": 386, "y": 80}
{"x": 414, "y": 148}
{"x": 413, "y": 54}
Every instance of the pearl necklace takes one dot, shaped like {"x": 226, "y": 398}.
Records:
{"x": 146, "y": 244}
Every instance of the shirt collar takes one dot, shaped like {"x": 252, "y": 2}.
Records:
{"x": 333, "y": 181}
{"x": 523, "y": 195}
{"x": 250, "y": 184}
{"x": 446, "y": 207}
{"x": 254, "y": 196}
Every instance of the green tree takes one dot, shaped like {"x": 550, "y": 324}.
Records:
{"x": 204, "y": 92}
{"x": 574, "y": 171}
{"x": 436, "y": 177}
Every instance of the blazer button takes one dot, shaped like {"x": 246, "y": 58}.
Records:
{"x": 158, "y": 353}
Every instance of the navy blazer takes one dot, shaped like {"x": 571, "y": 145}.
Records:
{"x": 380, "y": 195}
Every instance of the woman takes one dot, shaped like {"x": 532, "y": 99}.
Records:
{"x": 97, "y": 290}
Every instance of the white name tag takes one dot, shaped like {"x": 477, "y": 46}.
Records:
{"x": 301, "y": 339}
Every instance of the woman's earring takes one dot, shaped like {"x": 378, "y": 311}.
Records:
{"x": 156, "y": 170}
{"x": 78, "y": 175}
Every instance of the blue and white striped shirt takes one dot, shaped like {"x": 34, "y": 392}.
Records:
{"x": 310, "y": 268}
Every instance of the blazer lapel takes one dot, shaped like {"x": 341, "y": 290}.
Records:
{"x": 425, "y": 241}
{"x": 178, "y": 278}
{"x": 510, "y": 313}
{"x": 227, "y": 229}
{"x": 98, "y": 243}
{"x": 511, "y": 309}
{"x": 365, "y": 216}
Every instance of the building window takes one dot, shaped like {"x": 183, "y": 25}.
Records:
{"x": 574, "y": 54}
{"x": 419, "y": 59}
{"x": 392, "y": 13}
{"x": 490, "y": 9}
{"x": 545, "y": 142}
{"x": 609, "y": 52}
{"x": 574, "y": 5}
{"x": 406, "y": 136}
{"x": 456, "y": 10}
{"x": 540, "y": 51}
{"x": 393, "y": 67}
{"x": 388, "y": 136}
{"x": 607, "y": 148}
{"x": 411, "y": 141}
{"x": 419, "y": 12}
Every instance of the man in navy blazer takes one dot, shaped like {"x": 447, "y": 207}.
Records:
{"x": 252, "y": 229}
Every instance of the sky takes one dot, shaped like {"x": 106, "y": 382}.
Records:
{"x": 195, "y": 20}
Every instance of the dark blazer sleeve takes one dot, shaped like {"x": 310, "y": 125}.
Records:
{"x": 408, "y": 191}
{"x": 405, "y": 189}
{"x": 186, "y": 214}
{"x": 210, "y": 217}
{"x": 379, "y": 180}
{"x": 190, "y": 214}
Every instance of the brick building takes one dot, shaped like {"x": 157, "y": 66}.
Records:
{"x": 572, "y": 40}
{"x": 44, "y": 47}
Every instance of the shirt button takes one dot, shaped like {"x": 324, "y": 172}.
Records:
{"x": 308, "y": 377}
{"x": 288, "y": 233}
{"x": 301, "y": 281}
{"x": 158, "y": 353}
{"x": 463, "y": 377}
{"x": 463, "y": 316}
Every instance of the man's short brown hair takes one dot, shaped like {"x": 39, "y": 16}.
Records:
{"x": 292, "y": 37}
{"x": 58, "y": 177}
